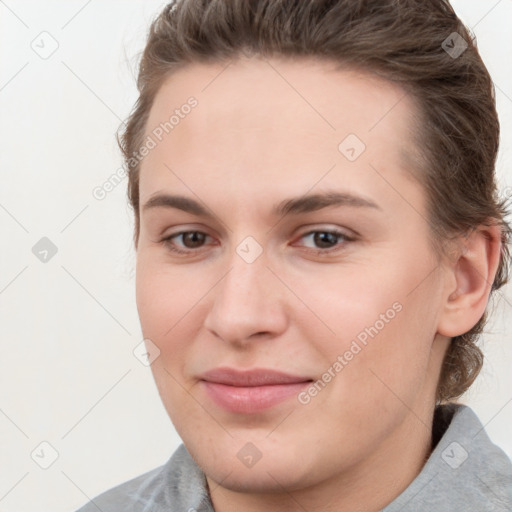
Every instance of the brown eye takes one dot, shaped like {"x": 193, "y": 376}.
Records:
{"x": 186, "y": 242}
{"x": 192, "y": 239}
{"x": 325, "y": 241}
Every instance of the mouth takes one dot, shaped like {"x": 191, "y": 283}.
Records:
{"x": 251, "y": 391}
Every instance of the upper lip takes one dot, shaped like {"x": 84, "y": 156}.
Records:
{"x": 250, "y": 378}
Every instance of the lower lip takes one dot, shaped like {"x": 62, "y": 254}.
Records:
{"x": 251, "y": 399}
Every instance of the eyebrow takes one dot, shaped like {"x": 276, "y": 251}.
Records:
{"x": 304, "y": 204}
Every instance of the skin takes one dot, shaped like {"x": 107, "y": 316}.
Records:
{"x": 264, "y": 132}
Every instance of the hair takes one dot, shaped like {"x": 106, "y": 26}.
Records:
{"x": 402, "y": 41}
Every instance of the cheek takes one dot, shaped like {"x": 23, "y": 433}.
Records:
{"x": 165, "y": 295}
{"x": 172, "y": 303}
{"x": 376, "y": 329}
{"x": 168, "y": 304}
{"x": 346, "y": 303}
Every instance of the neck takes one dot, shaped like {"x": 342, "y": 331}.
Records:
{"x": 367, "y": 486}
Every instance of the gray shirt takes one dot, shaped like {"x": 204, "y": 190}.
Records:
{"x": 465, "y": 472}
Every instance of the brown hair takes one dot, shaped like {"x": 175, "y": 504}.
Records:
{"x": 409, "y": 42}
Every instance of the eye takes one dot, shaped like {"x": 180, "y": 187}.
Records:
{"x": 186, "y": 241}
{"x": 324, "y": 240}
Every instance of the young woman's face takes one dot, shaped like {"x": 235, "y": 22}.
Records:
{"x": 285, "y": 272}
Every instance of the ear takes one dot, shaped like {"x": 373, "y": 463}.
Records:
{"x": 470, "y": 273}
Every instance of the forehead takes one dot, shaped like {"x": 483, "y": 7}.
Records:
{"x": 257, "y": 122}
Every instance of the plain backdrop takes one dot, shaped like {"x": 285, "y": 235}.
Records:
{"x": 68, "y": 376}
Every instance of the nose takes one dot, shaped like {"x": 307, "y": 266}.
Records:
{"x": 247, "y": 304}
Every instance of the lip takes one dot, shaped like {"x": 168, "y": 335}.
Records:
{"x": 251, "y": 391}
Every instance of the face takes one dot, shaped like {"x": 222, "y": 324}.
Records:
{"x": 285, "y": 271}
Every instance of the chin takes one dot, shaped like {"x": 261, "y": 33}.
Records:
{"x": 270, "y": 474}
{"x": 265, "y": 480}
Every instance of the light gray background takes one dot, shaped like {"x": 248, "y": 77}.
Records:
{"x": 67, "y": 372}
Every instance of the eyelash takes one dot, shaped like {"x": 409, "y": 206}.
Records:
{"x": 343, "y": 238}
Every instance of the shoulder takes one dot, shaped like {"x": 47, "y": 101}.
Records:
{"x": 128, "y": 496}
{"x": 177, "y": 485}
{"x": 465, "y": 471}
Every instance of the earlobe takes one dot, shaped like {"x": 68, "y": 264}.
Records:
{"x": 470, "y": 275}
